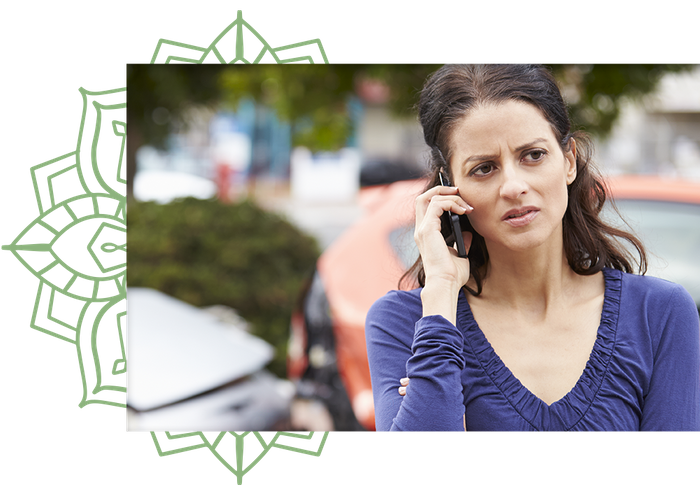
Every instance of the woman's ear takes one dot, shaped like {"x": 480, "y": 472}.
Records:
{"x": 570, "y": 157}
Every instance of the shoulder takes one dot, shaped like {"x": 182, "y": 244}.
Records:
{"x": 658, "y": 305}
{"x": 396, "y": 304}
{"x": 401, "y": 299}
{"x": 654, "y": 293}
{"x": 394, "y": 311}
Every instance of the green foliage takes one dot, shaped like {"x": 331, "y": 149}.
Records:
{"x": 313, "y": 98}
{"x": 159, "y": 96}
{"x": 594, "y": 93}
{"x": 206, "y": 253}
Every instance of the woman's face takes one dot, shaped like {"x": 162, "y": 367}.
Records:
{"x": 509, "y": 166}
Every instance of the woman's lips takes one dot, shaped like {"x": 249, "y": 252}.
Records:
{"x": 520, "y": 217}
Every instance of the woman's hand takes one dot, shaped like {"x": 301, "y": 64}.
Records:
{"x": 440, "y": 262}
{"x": 445, "y": 271}
{"x": 404, "y": 383}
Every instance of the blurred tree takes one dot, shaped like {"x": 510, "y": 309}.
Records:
{"x": 595, "y": 93}
{"x": 157, "y": 98}
{"x": 207, "y": 253}
{"x": 314, "y": 98}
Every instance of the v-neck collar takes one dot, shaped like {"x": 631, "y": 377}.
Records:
{"x": 564, "y": 413}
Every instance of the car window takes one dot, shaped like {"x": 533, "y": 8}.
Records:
{"x": 404, "y": 246}
{"x": 670, "y": 233}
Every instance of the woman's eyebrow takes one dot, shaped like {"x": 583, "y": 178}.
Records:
{"x": 478, "y": 158}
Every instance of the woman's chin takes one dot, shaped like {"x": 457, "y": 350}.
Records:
{"x": 520, "y": 243}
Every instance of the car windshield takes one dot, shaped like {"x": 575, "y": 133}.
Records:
{"x": 670, "y": 233}
{"x": 401, "y": 240}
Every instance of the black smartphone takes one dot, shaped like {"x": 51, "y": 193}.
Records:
{"x": 450, "y": 221}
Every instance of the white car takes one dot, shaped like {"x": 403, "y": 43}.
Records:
{"x": 190, "y": 371}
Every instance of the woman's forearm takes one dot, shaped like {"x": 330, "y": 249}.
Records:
{"x": 439, "y": 297}
{"x": 434, "y": 399}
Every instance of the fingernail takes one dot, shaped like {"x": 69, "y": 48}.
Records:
{"x": 404, "y": 381}
{"x": 402, "y": 390}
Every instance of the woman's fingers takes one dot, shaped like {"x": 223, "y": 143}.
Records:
{"x": 424, "y": 200}
{"x": 433, "y": 203}
{"x": 450, "y": 203}
{"x": 428, "y": 222}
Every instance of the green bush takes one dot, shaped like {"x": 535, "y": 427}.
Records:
{"x": 207, "y": 253}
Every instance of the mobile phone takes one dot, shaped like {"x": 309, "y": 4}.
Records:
{"x": 450, "y": 221}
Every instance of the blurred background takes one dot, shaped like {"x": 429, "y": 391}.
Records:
{"x": 270, "y": 205}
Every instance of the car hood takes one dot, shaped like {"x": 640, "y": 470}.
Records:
{"x": 176, "y": 350}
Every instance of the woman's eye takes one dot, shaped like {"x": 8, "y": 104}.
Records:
{"x": 536, "y": 154}
{"x": 482, "y": 170}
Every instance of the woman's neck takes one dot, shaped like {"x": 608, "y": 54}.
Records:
{"x": 531, "y": 281}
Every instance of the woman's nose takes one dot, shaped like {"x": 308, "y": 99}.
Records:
{"x": 513, "y": 184}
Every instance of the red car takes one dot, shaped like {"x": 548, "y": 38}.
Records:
{"x": 327, "y": 354}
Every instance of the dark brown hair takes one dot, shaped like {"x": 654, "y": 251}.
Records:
{"x": 452, "y": 92}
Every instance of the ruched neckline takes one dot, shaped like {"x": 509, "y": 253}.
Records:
{"x": 564, "y": 413}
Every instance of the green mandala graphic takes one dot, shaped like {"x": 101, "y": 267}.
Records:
{"x": 239, "y": 464}
{"x": 77, "y": 248}
{"x": 239, "y": 43}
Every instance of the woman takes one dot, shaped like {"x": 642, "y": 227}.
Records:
{"x": 543, "y": 326}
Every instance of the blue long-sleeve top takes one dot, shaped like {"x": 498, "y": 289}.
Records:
{"x": 643, "y": 372}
